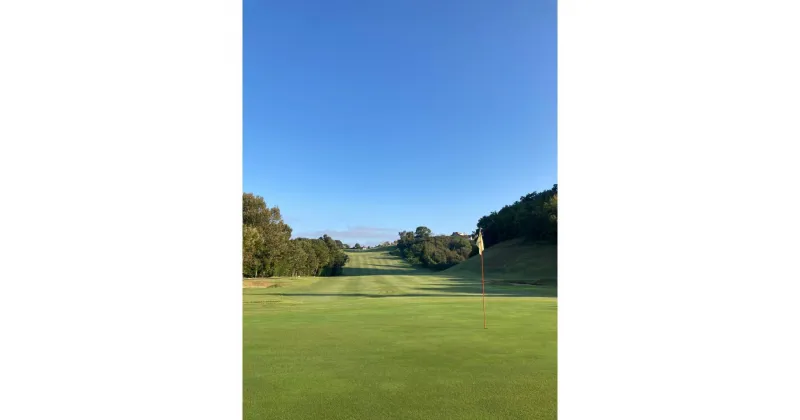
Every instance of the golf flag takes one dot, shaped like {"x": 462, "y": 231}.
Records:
{"x": 479, "y": 241}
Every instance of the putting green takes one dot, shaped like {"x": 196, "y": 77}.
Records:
{"x": 390, "y": 341}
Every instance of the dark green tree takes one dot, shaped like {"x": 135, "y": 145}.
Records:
{"x": 434, "y": 252}
{"x": 422, "y": 232}
{"x": 534, "y": 216}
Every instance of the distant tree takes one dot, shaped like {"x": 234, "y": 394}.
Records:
{"x": 357, "y": 246}
{"x": 434, "y": 252}
{"x": 422, "y": 232}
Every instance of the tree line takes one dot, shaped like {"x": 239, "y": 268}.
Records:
{"x": 268, "y": 250}
{"x": 434, "y": 252}
{"x": 533, "y": 216}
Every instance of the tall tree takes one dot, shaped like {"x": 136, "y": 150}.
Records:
{"x": 268, "y": 251}
{"x": 252, "y": 244}
{"x": 274, "y": 232}
{"x": 422, "y": 232}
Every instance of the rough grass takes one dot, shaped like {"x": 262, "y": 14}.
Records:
{"x": 248, "y": 283}
{"x": 513, "y": 262}
{"x": 390, "y": 341}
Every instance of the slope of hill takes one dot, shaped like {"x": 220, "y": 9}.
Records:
{"x": 514, "y": 261}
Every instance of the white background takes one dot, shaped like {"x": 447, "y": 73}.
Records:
{"x": 120, "y": 176}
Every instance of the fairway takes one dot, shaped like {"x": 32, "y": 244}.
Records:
{"x": 390, "y": 341}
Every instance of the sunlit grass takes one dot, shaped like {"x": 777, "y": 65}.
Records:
{"x": 397, "y": 342}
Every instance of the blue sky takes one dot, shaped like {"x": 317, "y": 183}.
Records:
{"x": 364, "y": 118}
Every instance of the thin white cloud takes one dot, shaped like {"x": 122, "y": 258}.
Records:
{"x": 356, "y": 232}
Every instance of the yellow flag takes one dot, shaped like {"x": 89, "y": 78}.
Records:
{"x": 480, "y": 242}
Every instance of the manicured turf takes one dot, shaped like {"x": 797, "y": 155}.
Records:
{"x": 387, "y": 341}
{"x": 513, "y": 261}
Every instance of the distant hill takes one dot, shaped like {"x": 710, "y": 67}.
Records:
{"x": 514, "y": 261}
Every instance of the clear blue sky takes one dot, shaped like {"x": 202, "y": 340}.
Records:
{"x": 364, "y": 118}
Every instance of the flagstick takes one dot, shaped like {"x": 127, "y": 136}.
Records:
{"x": 483, "y": 293}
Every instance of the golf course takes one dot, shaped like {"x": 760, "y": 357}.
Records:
{"x": 386, "y": 340}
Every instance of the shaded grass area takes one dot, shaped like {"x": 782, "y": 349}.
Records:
{"x": 514, "y": 261}
{"x": 397, "y": 342}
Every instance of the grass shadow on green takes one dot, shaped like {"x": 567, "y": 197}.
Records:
{"x": 389, "y": 295}
{"x": 464, "y": 286}
{"x": 377, "y": 270}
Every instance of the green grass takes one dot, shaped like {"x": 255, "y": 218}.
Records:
{"x": 388, "y": 341}
{"x": 514, "y": 261}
